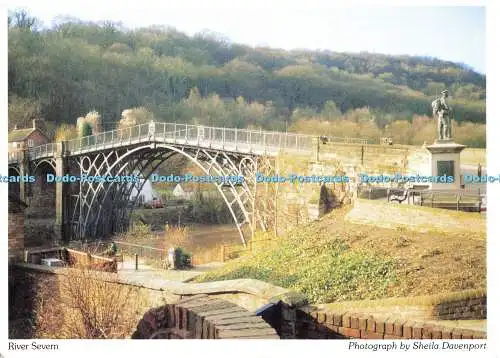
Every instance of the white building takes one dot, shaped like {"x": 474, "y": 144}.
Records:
{"x": 146, "y": 195}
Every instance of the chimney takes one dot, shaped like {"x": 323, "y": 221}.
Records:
{"x": 15, "y": 126}
{"x": 34, "y": 123}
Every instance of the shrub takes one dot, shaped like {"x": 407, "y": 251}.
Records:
{"x": 87, "y": 305}
{"x": 175, "y": 235}
{"x": 182, "y": 258}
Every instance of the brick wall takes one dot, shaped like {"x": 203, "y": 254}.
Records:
{"x": 307, "y": 323}
{"x": 25, "y": 289}
{"x": 16, "y": 235}
{"x": 202, "y": 317}
{"x": 37, "y": 137}
{"x": 467, "y": 308}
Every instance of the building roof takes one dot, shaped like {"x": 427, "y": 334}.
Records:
{"x": 19, "y": 135}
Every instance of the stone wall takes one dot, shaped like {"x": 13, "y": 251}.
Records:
{"x": 181, "y": 310}
{"x": 39, "y": 232}
{"x": 423, "y": 219}
{"x": 42, "y": 196}
{"x": 41, "y": 210}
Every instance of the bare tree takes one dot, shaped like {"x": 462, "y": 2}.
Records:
{"x": 21, "y": 19}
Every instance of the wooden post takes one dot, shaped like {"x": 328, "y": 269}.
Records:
{"x": 276, "y": 187}
{"x": 222, "y": 253}
{"x": 136, "y": 262}
{"x": 317, "y": 150}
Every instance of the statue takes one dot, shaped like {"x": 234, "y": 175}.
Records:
{"x": 441, "y": 110}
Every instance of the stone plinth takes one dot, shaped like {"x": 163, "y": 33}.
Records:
{"x": 445, "y": 160}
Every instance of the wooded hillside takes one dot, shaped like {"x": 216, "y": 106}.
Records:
{"x": 65, "y": 71}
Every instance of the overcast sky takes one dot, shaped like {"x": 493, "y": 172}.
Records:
{"x": 450, "y": 33}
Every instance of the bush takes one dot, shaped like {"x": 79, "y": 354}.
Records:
{"x": 182, "y": 259}
{"x": 87, "y": 304}
{"x": 210, "y": 211}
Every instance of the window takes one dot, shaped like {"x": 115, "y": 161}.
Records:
{"x": 31, "y": 143}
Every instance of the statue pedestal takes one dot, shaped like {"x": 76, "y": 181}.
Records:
{"x": 445, "y": 160}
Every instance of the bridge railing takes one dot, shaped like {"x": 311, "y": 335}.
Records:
{"x": 15, "y": 157}
{"x": 230, "y": 138}
{"x": 44, "y": 150}
{"x": 243, "y": 140}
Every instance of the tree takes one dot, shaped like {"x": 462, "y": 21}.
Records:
{"x": 84, "y": 128}
{"x": 330, "y": 111}
{"x": 21, "y": 19}
{"x": 134, "y": 116}
{"x": 22, "y": 111}
{"x": 66, "y": 132}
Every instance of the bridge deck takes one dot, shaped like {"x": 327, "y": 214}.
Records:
{"x": 243, "y": 141}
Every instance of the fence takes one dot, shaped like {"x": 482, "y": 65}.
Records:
{"x": 160, "y": 255}
{"x": 93, "y": 247}
{"x": 447, "y": 199}
{"x": 344, "y": 140}
{"x": 148, "y": 252}
{"x": 220, "y": 254}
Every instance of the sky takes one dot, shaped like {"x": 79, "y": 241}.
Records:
{"x": 451, "y": 33}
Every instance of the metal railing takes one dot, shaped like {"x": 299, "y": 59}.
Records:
{"x": 346, "y": 140}
{"x": 148, "y": 252}
{"x": 44, "y": 150}
{"x": 233, "y": 139}
{"x": 458, "y": 198}
{"x": 15, "y": 157}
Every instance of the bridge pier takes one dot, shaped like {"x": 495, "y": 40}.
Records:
{"x": 61, "y": 227}
{"x": 23, "y": 170}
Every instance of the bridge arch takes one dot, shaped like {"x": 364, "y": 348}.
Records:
{"x": 202, "y": 317}
{"x": 146, "y": 159}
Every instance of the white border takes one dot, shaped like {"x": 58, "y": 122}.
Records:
{"x": 257, "y": 349}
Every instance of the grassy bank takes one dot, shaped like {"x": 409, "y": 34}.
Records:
{"x": 334, "y": 260}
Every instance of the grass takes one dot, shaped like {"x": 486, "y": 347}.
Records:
{"x": 334, "y": 260}
{"x": 474, "y": 156}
